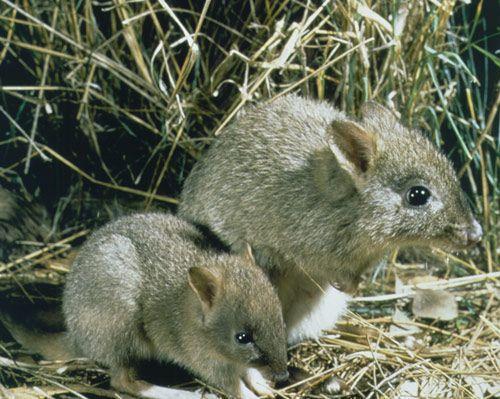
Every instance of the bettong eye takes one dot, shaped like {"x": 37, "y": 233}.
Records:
{"x": 418, "y": 195}
{"x": 243, "y": 337}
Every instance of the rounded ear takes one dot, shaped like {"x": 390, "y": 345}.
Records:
{"x": 205, "y": 284}
{"x": 374, "y": 110}
{"x": 329, "y": 177}
{"x": 354, "y": 147}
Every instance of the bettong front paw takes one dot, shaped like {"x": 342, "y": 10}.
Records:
{"x": 256, "y": 381}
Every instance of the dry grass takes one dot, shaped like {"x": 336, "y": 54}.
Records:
{"x": 119, "y": 98}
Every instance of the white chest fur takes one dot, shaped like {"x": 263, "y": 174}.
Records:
{"x": 321, "y": 314}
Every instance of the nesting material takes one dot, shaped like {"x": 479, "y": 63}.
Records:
{"x": 118, "y": 99}
{"x": 435, "y": 304}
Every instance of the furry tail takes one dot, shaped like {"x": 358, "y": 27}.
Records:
{"x": 52, "y": 346}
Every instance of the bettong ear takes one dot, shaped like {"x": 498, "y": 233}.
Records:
{"x": 205, "y": 284}
{"x": 354, "y": 147}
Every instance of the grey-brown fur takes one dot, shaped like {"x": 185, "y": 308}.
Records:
{"x": 20, "y": 220}
{"x": 146, "y": 287}
{"x": 320, "y": 195}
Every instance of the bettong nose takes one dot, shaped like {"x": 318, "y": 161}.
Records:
{"x": 281, "y": 376}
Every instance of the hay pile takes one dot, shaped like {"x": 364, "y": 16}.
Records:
{"x": 105, "y": 101}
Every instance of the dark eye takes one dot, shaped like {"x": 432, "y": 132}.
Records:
{"x": 243, "y": 337}
{"x": 418, "y": 195}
